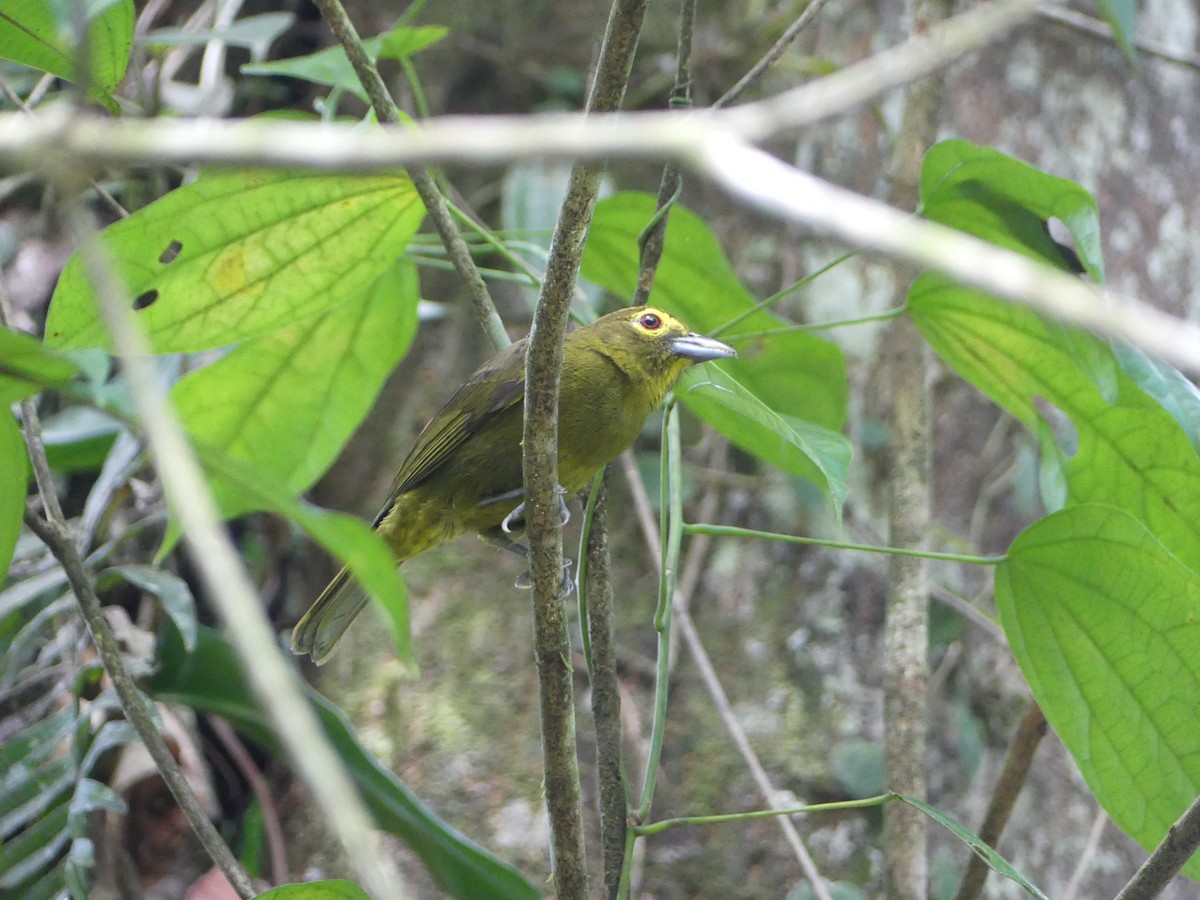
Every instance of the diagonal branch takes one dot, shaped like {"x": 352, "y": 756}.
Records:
{"x": 386, "y": 111}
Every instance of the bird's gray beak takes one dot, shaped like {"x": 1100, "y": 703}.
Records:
{"x": 701, "y": 348}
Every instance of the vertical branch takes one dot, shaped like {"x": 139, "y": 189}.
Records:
{"x": 540, "y": 440}
{"x": 906, "y": 630}
{"x": 606, "y": 695}
{"x": 652, "y": 239}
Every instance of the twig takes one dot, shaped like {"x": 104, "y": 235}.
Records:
{"x": 100, "y": 190}
{"x": 57, "y": 539}
{"x": 540, "y": 462}
{"x": 276, "y": 847}
{"x": 386, "y": 111}
{"x": 1028, "y": 737}
{"x": 91, "y": 140}
{"x": 1093, "y": 26}
{"x": 271, "y": 676}
{"x": 1175, "y": 849}
{"x": 1087, "y": 856}
{"x": 773, "y": 55}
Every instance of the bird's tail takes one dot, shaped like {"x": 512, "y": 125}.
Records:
{"x": 328, "y": 618}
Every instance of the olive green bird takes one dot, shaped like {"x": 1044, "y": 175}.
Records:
{"x": 464, "y": 472}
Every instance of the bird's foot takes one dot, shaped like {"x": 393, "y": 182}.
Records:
{"x": 515, "y": 520}
{"x": 525, "y": 580}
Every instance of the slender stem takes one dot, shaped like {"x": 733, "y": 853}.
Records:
{"x": 736, "y": 532}
{"x": 134, "y": 704}
{"x": 884, "y": 316}
{"x": 263, "y": 795}
{"x": 1175, "y": 849}
{"x": 716, "y": 691}
{"x": 386, "y": 111}
{"x": 689, "y": 821}
{"x": 653, "y": 239}
{"x": 672, "y": 513}
{"x": 1096, "y": 28}
{"x": 773, "y": 55}
{"x": 1028, "y": 737}
{"x": 606, "y": 691}
{"x": 780, "y": 295}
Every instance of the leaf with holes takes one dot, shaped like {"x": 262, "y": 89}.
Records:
{"x": 288, "y": 401}
{"x": 1008, "y": 202}
{"x": 237, "y": 254}
{"x": 1105, "y": 624}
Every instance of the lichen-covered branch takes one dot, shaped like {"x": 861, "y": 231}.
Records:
{"x": 906, "y": 630}
{"x": 542, "y": 370}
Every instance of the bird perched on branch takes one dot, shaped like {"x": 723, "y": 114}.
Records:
{"x": 464, "y": 472}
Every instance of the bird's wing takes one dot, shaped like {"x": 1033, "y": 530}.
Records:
{"x": 496, "y": 386}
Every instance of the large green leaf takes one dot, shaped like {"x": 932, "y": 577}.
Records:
{"x": 331, "y": 66}
{"x": 237, "y": 254}
{"x": 1105, "y": 624}
{"x": 1008, "y": 202}
{"x": 288, "y": 401}
{"x": 26, "y": 367}
{"x": 1131, "y": 452}
{"x": 210, "y": 679}
{"x": 798, "y": 447}
{"x": 794, "y": 373}
{"x": 39, "y": 34}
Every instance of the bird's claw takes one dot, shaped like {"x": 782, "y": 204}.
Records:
{"x": 524, "y": 581}
{"x": 510, "y": 522}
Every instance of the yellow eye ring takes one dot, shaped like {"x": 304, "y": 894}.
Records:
{"x": 650, "y": 321}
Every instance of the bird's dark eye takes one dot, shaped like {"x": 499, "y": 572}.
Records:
{"x": 650, "y": 321}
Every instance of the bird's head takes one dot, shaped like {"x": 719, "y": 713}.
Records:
{"x": 657, "y": 340}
